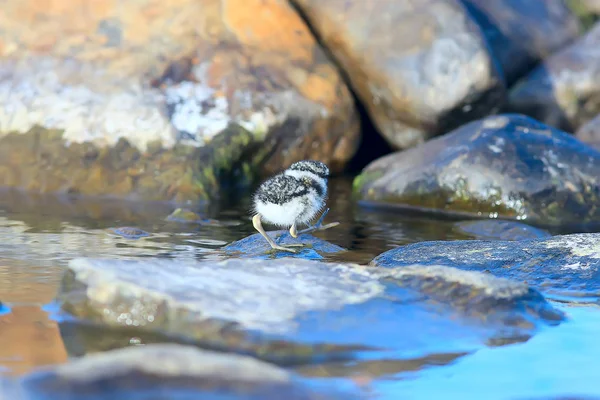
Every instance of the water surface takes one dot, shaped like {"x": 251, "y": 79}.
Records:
{"x": 39, "y": 235}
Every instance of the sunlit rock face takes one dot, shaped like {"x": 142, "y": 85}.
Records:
{"x": 419, "y": 68}
{"x": 296, "y": 312}
{"x": 164, "y": 101}
{"x": 560, "y": 266}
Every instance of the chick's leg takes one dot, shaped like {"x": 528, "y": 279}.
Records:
{"x": 256, "y": 222}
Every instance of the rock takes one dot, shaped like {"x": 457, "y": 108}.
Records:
{"x": 255, "y": 246}
{"x": 522, "y": 32}
{"x": 174, "y": 371}
{"x": 494, "y": 229}
{"x": 129, "y": 232}
{"x": 477, "y": 295}
{"x": 420, "y": 68}
{"x": 293, "y": 312}
{"x": 586, "y": 10}
{"x": 164, "y": 101}
{"x": 590, "y": 132}
{"x": 566, "y": 265}
{"x": 188, "y": 216}
{"x": 563, "y": 91}
{"x": 507, "y": 166}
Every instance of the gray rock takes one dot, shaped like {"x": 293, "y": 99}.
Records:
{"x": 508, "y": 166}
{"x": 590, "y": 132}
{"x": 420, "y": 68}
{"x": 493, "y": 229}
{"x": 564, "y": 90}
{"x": 292, "y": 311}
{"x": 566, "y": 265}
{"x": 523, "y": 32}
{"x": 255, "y": 246}
{"x": 173, "y": 371}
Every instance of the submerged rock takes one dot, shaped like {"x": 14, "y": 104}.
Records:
{"x": 507, "y": 166}
{"x": 291, "y": 311}
{"x": 500, "y": 230}
{"x": 110, "y": 100}
{"x": 188, "y": 216}
{"x": 174, "y": 371}
{"x": 420, "y": 68}
{"x": 561, "y": 265}
{"x": 129, "y": 232}
{"x": 564, "y": 90}
{"x": 255, "y": 246}
{"x": 523, "y": 32}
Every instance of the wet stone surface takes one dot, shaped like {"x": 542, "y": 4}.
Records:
{"x": 255, "y": 246}
{"x": 500, "y": 230}
{"x": 509, "y": 166}
{"x": 564, "y": 90}
{"x": 560, "y": 266}
{"x": 129, "y": 232}
{"x": 522, "y": 32}
{"x": 296, "y": 312}
{"x": 174, "y": 371}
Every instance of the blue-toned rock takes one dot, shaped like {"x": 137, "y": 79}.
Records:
{"x": 509, "y": 166}
{"x": 563, "y": 90}
{"x": 523, "y": 32}
{"x": 494, "y": 229}
{"x": 255, "y": 246}
{"x": 566, "y": 265}
{"x": 293, "y": 311}
{"x": 169, "y": 371}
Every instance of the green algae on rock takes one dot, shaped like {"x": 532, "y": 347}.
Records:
{"x": 505, "y": 166}
{"x": 206, "y": 107}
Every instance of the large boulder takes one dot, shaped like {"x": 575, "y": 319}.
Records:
{"x": 564, "y": 90}
{"x": 163, "y": 101}
{"x": 508, "y": 166}
{"x": 523, "y": 32}
{"x": 420, "y": 68}
{"x": 173, "y": 371}
{"x": 561, "y": 266}
{"x": 292, "y": 311}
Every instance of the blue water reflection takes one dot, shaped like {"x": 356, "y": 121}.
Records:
{"x": 559, "y": 361}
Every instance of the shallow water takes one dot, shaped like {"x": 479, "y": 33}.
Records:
{"x": 38, "y": 237}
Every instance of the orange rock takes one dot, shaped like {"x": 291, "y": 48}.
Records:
{"x": 199, "y": 82}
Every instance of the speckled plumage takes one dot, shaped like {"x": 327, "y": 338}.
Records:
{"x": 295, "y": 196}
